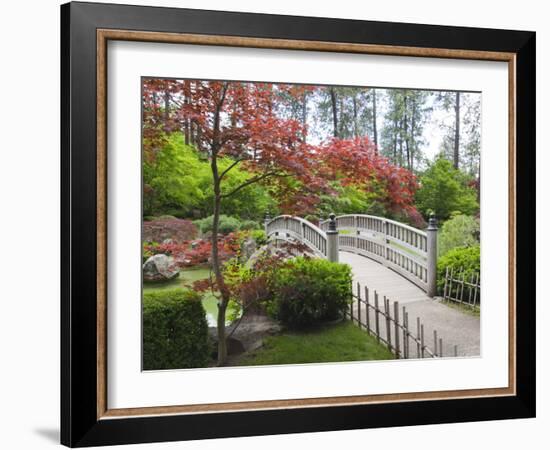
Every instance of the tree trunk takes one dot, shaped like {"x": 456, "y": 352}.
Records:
{"x": 304, "y": 113}
{"x": 413, "y": 126}
{"x": 355, "y": 124}
{"x": 395, "y": 140}
{"x": 406, "y": 130}
{"x": 166, "y": 110}
{"x": 186, "y": 126}
{"x": 479, "y": 181}
{"x": 216, "y": 267}
{"x": 457, "y": 131}
{"x": 334, "y": 111}
{"x": 374, "y": 130}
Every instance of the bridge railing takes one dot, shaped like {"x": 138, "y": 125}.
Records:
{"x": 402, "y": 248}
{"x": 407, "y": 250}
{"x": 291, "y": 226}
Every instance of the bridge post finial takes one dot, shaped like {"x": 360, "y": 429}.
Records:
{"x": 332, "y": 239}
{"x": 431, "y": 234}
{"x": 267, "y": 219}
{"x": 332, "y": 222}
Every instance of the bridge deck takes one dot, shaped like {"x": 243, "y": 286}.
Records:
{"x": 385, "y": 281}
{"x": 453, "y": 326}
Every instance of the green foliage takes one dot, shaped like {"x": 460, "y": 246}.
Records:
{"x": 259, "y": 237}
{"x": 444, "y": 190}
{"x": 249, "y": 225}
{"x": 335, "y": 343}
{"x": 458, "y": 231}
{"x": 307, "y": 291}
{"x": 172, "y": 180}
{"x": 248, "y": 203}
{"x": 149, "y": 249}
{"x": 175, "y": 331}
{"x": 351, "y": 199}
{"x": 462, "y": 260}
{"x": 227, "y": 224}
{"x": 178, "y": 182}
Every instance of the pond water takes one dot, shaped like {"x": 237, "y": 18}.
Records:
{"x": 186, "y": 279}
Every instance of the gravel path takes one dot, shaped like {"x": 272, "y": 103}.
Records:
{"x": 453, "y": 326}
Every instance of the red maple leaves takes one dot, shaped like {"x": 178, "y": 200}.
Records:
{"x": 244, "y": 121}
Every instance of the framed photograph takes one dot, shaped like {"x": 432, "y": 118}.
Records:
{"x": 277, "y": 224}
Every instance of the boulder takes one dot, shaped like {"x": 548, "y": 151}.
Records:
{"x": 252, "y": 330}
{"x": 234, "y": 346}
{"x": 160, "y": 268}
{"x": 248, "y": 334}
{"x": 282, "y": 249}
{"x": 248, "y": 247}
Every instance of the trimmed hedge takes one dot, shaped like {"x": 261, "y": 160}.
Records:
{"x": 175, "y": 330}
{"x": 307, "y": 291}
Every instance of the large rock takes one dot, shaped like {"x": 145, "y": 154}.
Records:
{"x": 252, "y": 330}
{"x": 247, "y": 334}
{"x": 160, "y": 268}
{"x": 281, "y": 249}
{"x": 248, "y": 247}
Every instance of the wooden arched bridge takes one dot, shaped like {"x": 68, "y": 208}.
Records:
{"x": 394, "y": 257}
{"x": 391, "y": 258}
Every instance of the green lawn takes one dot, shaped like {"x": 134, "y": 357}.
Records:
{"x": 186, "y": 278}
{"x": 334, "y": 343}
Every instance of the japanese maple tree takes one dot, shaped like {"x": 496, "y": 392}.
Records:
{"x": 242, "y": 121}
{"x": 356, "y": 162}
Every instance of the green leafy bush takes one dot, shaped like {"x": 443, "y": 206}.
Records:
{"x": 259, "y": 237}
{"x": 227, "y": 224}
{"x": 459, "y": 231}
{"x": 178, "y": 181}
{"x": 175, "y": 331}
{"x": 149, "y": 249}
{"x": 307, "y": 291}
{"x": 249, "y": 225}
{"x": 445, "y": 190}
{"x": 463, "y": 260}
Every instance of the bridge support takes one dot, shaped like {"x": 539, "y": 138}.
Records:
{"x": 431, "y": 235}
{"x": 332, "y": 240}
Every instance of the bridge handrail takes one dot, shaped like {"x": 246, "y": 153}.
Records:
{"x": 368, "y": 216}
{"x": 316, "y": 238}
{"x": 405, "y": 249}
{"x": 418, "y": 245}
{"x": 324, "y": 223}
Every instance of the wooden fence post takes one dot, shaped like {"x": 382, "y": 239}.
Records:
{"x": 376, "y": 318}
{"x": 431, "y": 233}
{"x": 359, "y": 305}
{"x": 418, "y": 337}
{"x": 367, "y": 307}
{"x": 388, "y": 321}
{"x": 332, "y": 240}
{"x": 396, "y": 325}
{"x": 351, "y": 305}
{"x": 405, "y": 333}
